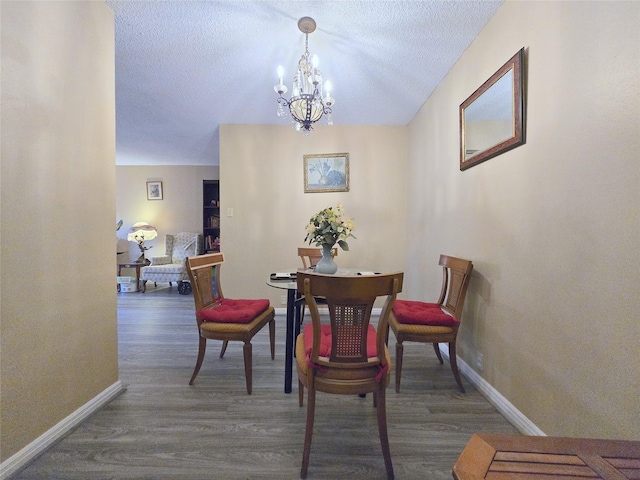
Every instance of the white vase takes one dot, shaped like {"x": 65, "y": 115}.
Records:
{"x": 326, "y": 263}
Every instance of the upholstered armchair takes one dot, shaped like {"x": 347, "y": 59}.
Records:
{"x": 171, "y": 266}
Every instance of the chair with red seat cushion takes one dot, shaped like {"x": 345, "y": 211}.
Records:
{"x": 435, "y": 323}
{"x": 348, "y": 356}
{"x": 225, "y": 319}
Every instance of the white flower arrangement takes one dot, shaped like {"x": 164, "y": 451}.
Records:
{"x": 330, "y": 226}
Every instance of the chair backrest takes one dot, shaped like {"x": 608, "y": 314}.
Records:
{"x": 182, "y": 245}
{"x": 204, "y": 273}
{"x": 311, "y": 256}
{"x": 350, "y": 300}
{"x": 456, "y": 273}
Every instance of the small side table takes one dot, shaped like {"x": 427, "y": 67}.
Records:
{"x": 137, "y": 266}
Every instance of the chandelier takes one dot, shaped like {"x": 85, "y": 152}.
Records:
{"x": 308, "y": 101}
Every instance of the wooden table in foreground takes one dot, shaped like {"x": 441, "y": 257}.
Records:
{"x": 498, "y": 457}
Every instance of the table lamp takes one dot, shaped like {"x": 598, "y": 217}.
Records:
{"x": 139, "y": 233}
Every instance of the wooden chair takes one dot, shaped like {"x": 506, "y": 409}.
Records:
{"x": 220, "y": 318}
{"x": 347, "y": 356}
{"x": 434, "y": 323}
{"x": 310, "y": 257}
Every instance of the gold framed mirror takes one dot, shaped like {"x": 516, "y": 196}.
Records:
{"x": 492, "y": 118}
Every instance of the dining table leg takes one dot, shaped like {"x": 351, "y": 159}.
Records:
{"x": 298, "y": 321}
{"x": 288, "y": 352}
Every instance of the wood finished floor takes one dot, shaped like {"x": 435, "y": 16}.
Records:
{"x": 162, "y": 428}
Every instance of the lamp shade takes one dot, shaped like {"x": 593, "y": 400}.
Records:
{"x": 141, "y": 232}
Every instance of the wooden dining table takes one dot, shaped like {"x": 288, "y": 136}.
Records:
{"x": 521, "y": 457}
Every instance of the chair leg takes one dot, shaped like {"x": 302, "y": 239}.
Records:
{"x": 297, "y": 323}
{"x": 246, "y": 350}
{"x": 272, "y": 338}
{"x": 144, "y": 286}
{"x": 454, "y": 365}
{"x": 300, "y": 393}
{"x": 202, "y": 347}
{"x": 399, "y": 351}
{"x": 436, "y": 347}
{"x": 381, "y": 401}
{"x": 224, "y": 348}
{"x": 308, "y": 432}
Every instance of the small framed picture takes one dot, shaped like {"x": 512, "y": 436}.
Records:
{"x": 154, "y": 190}
{"x": 327, "y": 172}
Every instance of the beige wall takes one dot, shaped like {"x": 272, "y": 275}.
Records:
{"x": 553, "y": 226}
{"x": 180, "y": 210}
{"x": 561, "y": 210}
{"x": 58, "y": 319}
{"x": 261, "y": 179}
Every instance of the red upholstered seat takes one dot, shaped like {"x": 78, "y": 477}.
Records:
{"x": 434, "y": 323}
{"x": 234, "y": 311}
{"x": 422, "y": 313}
{"x": 325, "y": 341}
{"x": 225, "y": 319}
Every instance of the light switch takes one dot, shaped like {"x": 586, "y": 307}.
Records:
{"x": 229, "y": 212}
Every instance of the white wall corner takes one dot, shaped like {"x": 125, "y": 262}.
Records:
{"x": 55, "y": 433}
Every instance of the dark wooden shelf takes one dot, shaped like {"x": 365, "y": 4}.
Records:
{"x": 211, "y": 215}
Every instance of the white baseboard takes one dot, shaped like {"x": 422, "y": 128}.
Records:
{"x": 55, "y": 433}
{"x": 511, "y": 413}
{"x": 40, "y": 444}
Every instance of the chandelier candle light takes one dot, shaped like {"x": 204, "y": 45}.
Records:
{"x": 308, "y": 101}
{"x": 325, "y": 229}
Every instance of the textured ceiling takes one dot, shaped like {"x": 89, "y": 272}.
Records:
{"x": 185, "y": 67}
